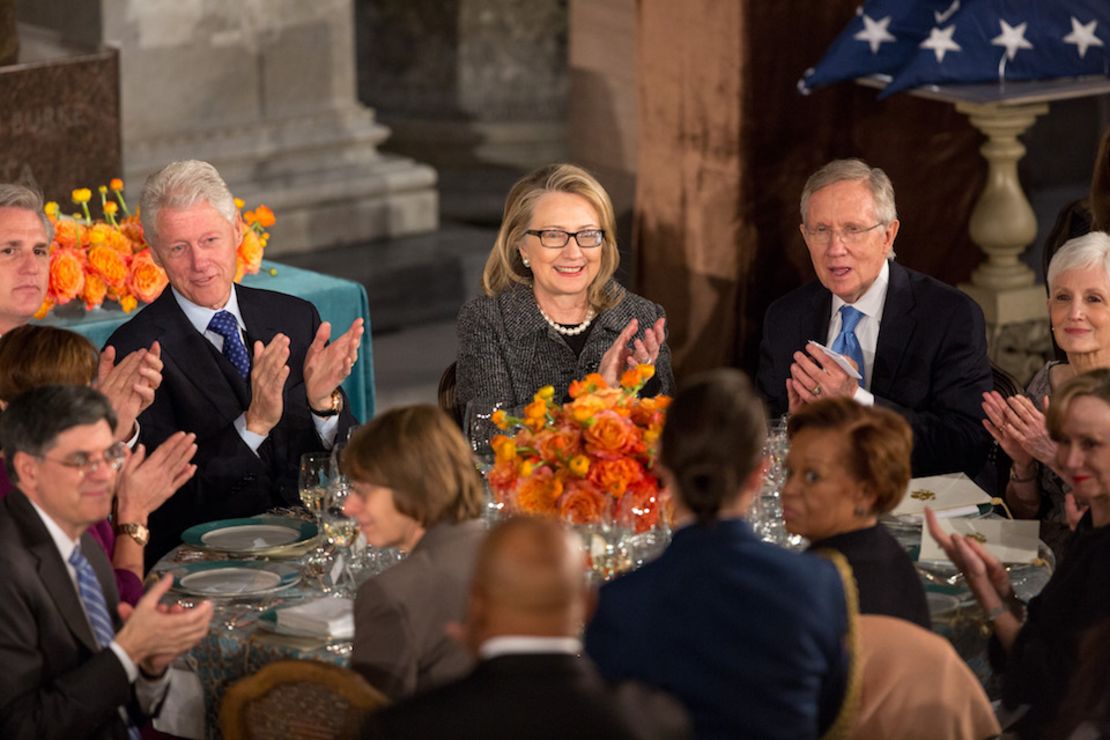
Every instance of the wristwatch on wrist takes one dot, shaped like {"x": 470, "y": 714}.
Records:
{"x": 336, "y": 405}
{"x": 135, "y": 531}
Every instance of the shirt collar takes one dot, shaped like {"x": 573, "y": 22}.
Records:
{"x": 870, "y": 304}
{"x": 61, "y": 540}
{"x": 201, "y": 316}
{"x": 529, "y": 644}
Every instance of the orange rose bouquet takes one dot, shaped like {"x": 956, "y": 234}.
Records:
{"x": 588, "y": 461}
{"x": 109, "y": 259}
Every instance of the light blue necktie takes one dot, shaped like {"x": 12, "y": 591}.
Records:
{"x": 92, "y": 598}
{"x": 224, "y": 324}
{"x": 846, "y": 342}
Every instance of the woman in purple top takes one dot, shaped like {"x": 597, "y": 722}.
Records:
{"x": 32, "y": 356}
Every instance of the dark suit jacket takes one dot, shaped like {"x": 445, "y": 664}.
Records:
{"x": 54, "y": 680}
{"x": 538, "y": 697}
{"x": 202, "y": 393}
{"x": 748, "y": 636}
{"x": 931, "y": 363}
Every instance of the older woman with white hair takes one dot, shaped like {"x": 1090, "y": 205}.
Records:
{"x": 1079, "y": 311}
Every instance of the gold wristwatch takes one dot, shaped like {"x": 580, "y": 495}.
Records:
{"x": 137, "y": 532}
{"x": 336, "y": 405}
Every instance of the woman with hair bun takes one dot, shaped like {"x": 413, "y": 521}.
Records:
{"x": 750, "y": 637}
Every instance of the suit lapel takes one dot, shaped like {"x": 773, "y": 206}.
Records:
{"x": 197, "y": 358}
{"x": 814, "y": 323}
{"x": 52, "y": 571}
{"x": 895, "y": 332}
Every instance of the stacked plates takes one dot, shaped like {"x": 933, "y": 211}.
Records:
{"x": 252, "y": 536}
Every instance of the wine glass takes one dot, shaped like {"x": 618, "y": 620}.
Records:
{"x": 340, "y": 531}
{"x": 312, "y": 485}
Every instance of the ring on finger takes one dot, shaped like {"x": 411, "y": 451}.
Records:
{"x": 817, "y": 390}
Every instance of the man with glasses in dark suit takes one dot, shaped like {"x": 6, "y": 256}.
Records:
{"x": 74, "y": 662}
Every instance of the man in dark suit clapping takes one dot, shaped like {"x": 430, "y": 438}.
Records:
{"x": 249, "y": 371}
{"x": 919, "y": 345}
{"x": 528, "y": 602}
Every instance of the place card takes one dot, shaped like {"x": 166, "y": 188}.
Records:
{"x": 944, "y": 494}
{"x": 1009, "y": 540}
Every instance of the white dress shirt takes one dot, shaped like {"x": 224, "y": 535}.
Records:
{"x": 200, "y": 317}
{"x": 870, "y": 304}
{"x": 148, "y": 691}
{"x": 528, "y": 645}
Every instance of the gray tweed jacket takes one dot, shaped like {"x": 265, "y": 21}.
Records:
{"x": 507, "y": 351}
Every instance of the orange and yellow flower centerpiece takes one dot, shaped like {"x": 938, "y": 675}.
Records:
{"x": 108, "y": 259}
{"x": 588, "y": 461}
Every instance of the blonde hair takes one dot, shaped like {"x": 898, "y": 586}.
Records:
{"x": 1095, "y": 384}
{"x": 504, "y": 266}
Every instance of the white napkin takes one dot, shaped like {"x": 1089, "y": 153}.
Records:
{"x": 182, "y": 713}
{"x": 941, "y": 493}
{"x": 326, "y": 616}
{"x": 1009, "y": 540}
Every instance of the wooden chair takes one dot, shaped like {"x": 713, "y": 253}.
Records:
{"x": 446, "y": 397}
{"x": 298, "y": 700}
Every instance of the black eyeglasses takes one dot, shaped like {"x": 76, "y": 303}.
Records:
{"x": 557, "y": 238}
{"x": 86, "y": 463}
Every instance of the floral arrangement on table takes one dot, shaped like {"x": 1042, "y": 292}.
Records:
{"x": 588, "y": 461}
{"x": 108, "y": 259}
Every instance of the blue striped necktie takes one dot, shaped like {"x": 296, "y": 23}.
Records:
{"x": 846, "y": 342}
{"x": 92, "y": 598}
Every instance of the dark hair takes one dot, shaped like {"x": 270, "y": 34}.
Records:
{"x": 421, "y": 454}
{"x": 35, "y": 418}
{"x": 31, "y": 356}
{"x": 1099, "y": 197}
{"x": 713, "y": 439}
{"x": 879, "y": 443}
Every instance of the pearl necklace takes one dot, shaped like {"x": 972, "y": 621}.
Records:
{"x": 572, "y": 330}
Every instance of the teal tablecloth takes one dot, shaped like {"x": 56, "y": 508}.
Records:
{"x": 338, "y": 301}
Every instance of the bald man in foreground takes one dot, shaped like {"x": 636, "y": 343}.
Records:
{"x": 528, "y": 602}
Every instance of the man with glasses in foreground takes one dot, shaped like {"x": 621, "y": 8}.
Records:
{"x": 75, "y": 663}
{"x": 917, "y": 345}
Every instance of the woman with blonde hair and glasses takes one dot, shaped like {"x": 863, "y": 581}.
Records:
{"x": 552, "y": 311}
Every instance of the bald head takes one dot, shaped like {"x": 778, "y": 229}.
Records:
{"x": 529, "y": 579}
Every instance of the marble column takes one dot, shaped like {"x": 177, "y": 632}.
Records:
{"x": 265, "y": 90}
{"x": 468, "y": 81}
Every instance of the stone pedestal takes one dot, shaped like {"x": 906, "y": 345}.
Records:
{"x": 470, "y": 82}
{"x": 59, "y": 124}
{"x": 265, "y": 90}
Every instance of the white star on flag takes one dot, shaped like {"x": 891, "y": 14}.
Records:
{"x": 940, "y": 41}
{"x": 1012, "y": 37}
{"x": 942, "y": 17}
{"x": 1083, "y": 36}
{"x": 875, "y": 33}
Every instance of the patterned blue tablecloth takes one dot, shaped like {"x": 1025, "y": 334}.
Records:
{"x": 338, "y": 301}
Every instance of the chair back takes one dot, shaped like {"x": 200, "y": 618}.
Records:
{"x": 297, "y": 700}
{"x": 915, "y": 686}
{"x": 446, "y": 397}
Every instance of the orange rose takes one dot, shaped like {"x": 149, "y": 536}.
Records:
{"x": 128, "y": 303}
{"x": 44, "y": 309}
{"x": 132, "y": 228}
{"x": 67, "y": 275}
{"x": 264, "y": 216}
{"x": 615, "y": 476}
{"x": 109, "y": 264}
{"x": 539, "y": 492}
{"x": 148, "y": 280}
{"x": 94, "y": 291}
{"x": 556, "y": 446}
{"x": 611, "y": 435}
{"x": 250, "y": 252}
{"x": 586, "y": 407}
{"x": 583, "y": 504}
{"x": 68, "y": 234}
{"x": 504, "y": 448}
{"x": 503, "y": 476}
{"x": 642, "y": 504}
